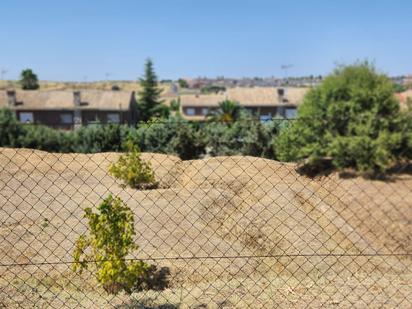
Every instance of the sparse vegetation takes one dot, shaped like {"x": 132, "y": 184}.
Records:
{"x": 110, "y": 240}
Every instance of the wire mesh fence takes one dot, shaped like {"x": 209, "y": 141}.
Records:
{"x": 220, "y": 232}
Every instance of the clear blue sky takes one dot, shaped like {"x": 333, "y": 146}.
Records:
{"x": 68, "y": 40}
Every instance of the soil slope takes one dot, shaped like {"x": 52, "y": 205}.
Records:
{"x": 245, "y": 219}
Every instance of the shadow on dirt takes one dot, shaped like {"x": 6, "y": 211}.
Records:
{"x": 155, "y": 279}
{"x": 324, "y": 168}
{"x": 142, "y": 305}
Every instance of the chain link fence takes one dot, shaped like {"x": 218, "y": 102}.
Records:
{"x": 222, "y": 232}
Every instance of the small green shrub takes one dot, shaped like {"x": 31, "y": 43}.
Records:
{"x": 212, "y": 89}
{"x": 132, "y": 170}
{"x": 110, "y": 240}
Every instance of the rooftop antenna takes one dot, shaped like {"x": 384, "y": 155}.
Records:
{"x": 285, "y": 68}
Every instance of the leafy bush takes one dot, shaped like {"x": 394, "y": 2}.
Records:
{"x": 132, "y": 170}
{"x": 100, "y": 138}
{"x": 246, "y": 136}
{"x": 172, "y": 136}
{"x": 212, "y": 89}
{"x": 353, "y": 120}
{"x": 175, "y": 105}
{"x": 110, "y": 240}
{"x": 10, "y": 129}
{"x": 187, "y": 142}
{"x": 43, "y": 138}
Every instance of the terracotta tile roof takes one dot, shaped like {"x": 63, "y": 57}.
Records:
{"x": 52, "y": 100}
{"x": 258, "y": 96}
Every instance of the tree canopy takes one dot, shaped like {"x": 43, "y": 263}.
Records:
{"x": 352, "y": 119}
{"x": 228, "y": 111}
{"x": 182, "y": 83}
{"x": 28, "y": 80}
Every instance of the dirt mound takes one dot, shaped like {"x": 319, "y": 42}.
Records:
{"x": 237, "y": 207}
{"x": 246, "y": 203}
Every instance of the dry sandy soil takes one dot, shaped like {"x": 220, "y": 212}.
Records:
{"x": 234, "y": 232}
{"x": 97, "y": 85}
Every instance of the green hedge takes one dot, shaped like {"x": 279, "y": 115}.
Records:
{"x": 170, "y": 136}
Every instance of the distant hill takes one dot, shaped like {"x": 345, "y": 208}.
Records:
{"x": 98, "y": 85}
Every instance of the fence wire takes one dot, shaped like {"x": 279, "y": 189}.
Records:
{"x": 223, "y": 232}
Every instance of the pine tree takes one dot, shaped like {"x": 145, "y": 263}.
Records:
{"x": 149, "y": 103}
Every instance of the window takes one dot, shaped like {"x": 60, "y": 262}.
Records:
{"x": 190, "y": 111}
{"x": 66, "y": 118}
{"x": 264, "y": 118}
{"x": 205, "y": 111}
{"x": 113, "y": 118}
{"x": 290, "y": 112}
{"x": 26, "y": 117}
{"x": 251, "y": 110}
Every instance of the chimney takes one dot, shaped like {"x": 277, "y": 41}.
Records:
{"x": 76, "y": 98}
{"x": 11, "y": 98}
{"x": 174, "y": 89}
{"x": 77, "y": 119}
{"x": 281, "y": 95}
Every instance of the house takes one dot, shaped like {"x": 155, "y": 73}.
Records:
{"x": 263, "y": 102}
{"x": 407, "y": 80}
{"x": 404, "y": 98}
{"x": 71, "y": 109}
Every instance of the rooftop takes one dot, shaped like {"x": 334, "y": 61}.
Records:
{"x": 255, "y": 96}
{"x": 63, "y": 99}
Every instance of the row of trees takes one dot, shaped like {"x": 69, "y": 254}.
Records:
{"x": 173, "y": 135}
{"x": 352, "y": 120}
